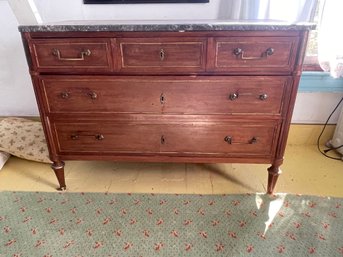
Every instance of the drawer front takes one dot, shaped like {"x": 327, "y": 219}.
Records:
{"x": 191, "y": 138}
{"x": 233, "y": 138}
{"x": 179, "y": 95}
{"x": 90, "y": 94}
{"x": 163, "y": 55}
{"x": 102, "y": 137}
{"x": 255, "y": 54}
{"x": 72, "y": 55}
{"x": 225, "y": 95}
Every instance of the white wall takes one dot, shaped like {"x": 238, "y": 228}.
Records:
{"x": 316, "y": 107}
{"x": 17, "y": 97}
{"x": 298, "y": 10}
{"x": 57, "y": 10}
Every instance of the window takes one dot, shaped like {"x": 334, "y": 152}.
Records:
{"x": 311, "y": 58}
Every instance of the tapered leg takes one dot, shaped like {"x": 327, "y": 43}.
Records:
{"x": 273, "y": 174}
{"x": 58, "y": 168}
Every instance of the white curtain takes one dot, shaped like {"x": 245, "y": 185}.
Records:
{"x": 330, "y": 37}
{"x": 278, "y": 10}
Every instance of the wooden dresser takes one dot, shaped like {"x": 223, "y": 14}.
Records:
{"x": 166, "y": 95}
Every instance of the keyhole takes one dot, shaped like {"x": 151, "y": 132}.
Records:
{"x": 163, "y": 140}
{"x": 162, "y": 98}
{"x": 162, "y": 54}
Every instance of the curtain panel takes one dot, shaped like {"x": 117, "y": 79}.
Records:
{"x": 330, "y": 37}
{"x": 290, "y": 10}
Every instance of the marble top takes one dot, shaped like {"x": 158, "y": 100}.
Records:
{"x": 165, "y": 25}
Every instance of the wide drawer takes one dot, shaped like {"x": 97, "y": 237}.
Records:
{"x": 163, "y": 55}
{"x": 183, "y": 138}
{"x": 180, "y": 95}
{"x": 251, "y": 54}
{"x": 72, "y": 55}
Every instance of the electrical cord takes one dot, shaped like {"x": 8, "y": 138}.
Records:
{"x": 333, "y": 148}
{"x": 321, "y": 133}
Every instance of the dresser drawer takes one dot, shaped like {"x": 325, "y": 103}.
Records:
{"x": 163, "y": 55}
{"x": 179, "y": 95}
{"x": 251, "y": 54}
{"x": 228, "y": 139}
{"x": 101, "y": 137}
{"x": 178, "y": 138}
{"x": 72, "y": 55}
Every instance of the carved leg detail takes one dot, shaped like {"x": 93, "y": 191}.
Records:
{"x": 58, "y": 168}
{"x": 273, "y": 174}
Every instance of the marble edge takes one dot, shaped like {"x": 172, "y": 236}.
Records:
{"x": 162, "y": 27}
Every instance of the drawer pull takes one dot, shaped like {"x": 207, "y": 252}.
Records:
{"x": 57, "y": 53}
{"x": 228, "y": 140}
{"x": 99, "y": 137}
{"x": 253, "y": 140}
{"x": 65, "y": 95}
{"x": 233, "y": 96}
{"x": 240, "y": 53}
{"x": 263, "y": 97}
{"x": 162, "y": 54}
{"x": 92, "y": 95}
{"x": 74, "y": 137}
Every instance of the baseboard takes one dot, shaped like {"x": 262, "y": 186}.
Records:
{"x": 37, "y": 118}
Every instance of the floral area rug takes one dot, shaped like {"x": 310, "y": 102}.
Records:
{"x": 147, "y": 225}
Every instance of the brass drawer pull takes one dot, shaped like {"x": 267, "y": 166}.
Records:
{"x": 233, "y": 96}
{"x": 228, "y": 140}
{"x": 162, "y": 54}
{"x": 253, "y": 140}
{"x": 99, "y": 137}
{"x": 92, "y": 95}
{"x": 263, "y": 97}
{"x": 74, "y": 137}
{"x": 65, "y": 95}
{"x": 57, "y": 53}
{"x": 240, "y": 53}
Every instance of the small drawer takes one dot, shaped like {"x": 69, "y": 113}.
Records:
{"x": 72, "y": 55}
{"x": 163, "y": 55}
{"x": 253, "y": 54}
{"x": 224, "y": 139}
{"x": 173, "y": 95}
{"x": 101, "y": 137}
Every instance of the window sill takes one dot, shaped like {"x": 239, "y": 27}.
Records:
{"x": 314, "y": 81}
{"x": 311, "y": 64}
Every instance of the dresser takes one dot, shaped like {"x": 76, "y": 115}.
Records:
{"x": 166, "y": 92}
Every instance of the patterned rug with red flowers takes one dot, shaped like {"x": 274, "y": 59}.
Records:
{"x": 40, "y": 224}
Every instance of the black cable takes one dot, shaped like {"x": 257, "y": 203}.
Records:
{"x": 333, "y": 148}
{"x": 321, "y": 133}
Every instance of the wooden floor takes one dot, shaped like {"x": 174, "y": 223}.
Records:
{"x": 305, "y": 171}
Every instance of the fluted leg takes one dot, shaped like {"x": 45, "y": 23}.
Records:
{"x": 273, "y": 174}
{"x": 58, "y": 168}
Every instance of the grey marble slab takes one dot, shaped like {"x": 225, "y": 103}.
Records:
{"x": 171, "y": 25}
